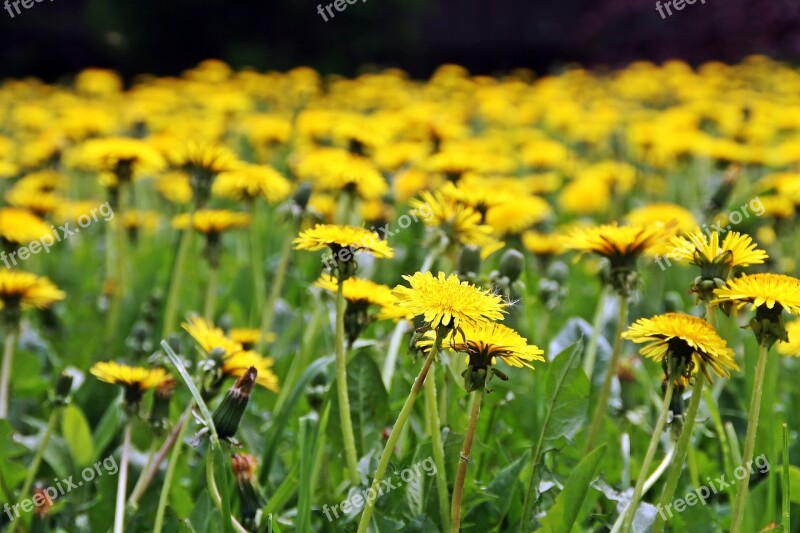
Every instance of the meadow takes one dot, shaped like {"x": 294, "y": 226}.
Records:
{"x": 287, "y": 301}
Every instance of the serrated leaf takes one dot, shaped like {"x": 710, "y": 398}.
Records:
{"x": 488, "y": 514}
{"x": 566, "y": 391}
{"x": 76, "y": 432}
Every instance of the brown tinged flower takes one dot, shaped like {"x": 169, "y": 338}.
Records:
{"x": 229, "y": 413}
{"x": 250, "y": 496}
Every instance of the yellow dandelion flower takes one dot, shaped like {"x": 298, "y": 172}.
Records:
{"x": 25, "y": 290}
{"x": 518, "y": 215}
{"x": 248, "y": 182}
{"x": 212, "y": 221}
{"x": 358, "y": 290}
{"x": 41, "y": 203}
{"x": 736, "y": 250}
{"x": 620, "y": 244}
{"x": 448, "y": 301}
{"x": 686, "y": 337}
{"x": 238, "y": 364}
{"x": 338, "y": 237}
{"x": 21, "y": 226}
{"x": 174, "y": 187}
{"x": 762, "y": 290}
{"x": 460, "y": 223}
{"x": 201, "y": 157}
{"x": 209, "y": 337}
{"x": 331, "y": 169}
{"x": 543, "y": 244}
{"x": 125, "y": 157}
{"x": 792, "y": 347}
{"x": 488, "y": 341}
{"x": 249, "y": 337}
{"x": 681, "y": 220}
{"x": 129, "y": 376}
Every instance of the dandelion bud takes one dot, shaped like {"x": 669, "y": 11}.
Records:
{"x": 469, "y": 260}
{"x": 250, "y": 496}
{"x": 229, "y": 413}
{"x": 302, "y": 195}
{"x": 512, "y": 265}
{"x": 42, "y": 502}
{"x": 63, "y": 388}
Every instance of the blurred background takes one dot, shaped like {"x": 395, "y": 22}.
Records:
{"x": 59, "y": 37}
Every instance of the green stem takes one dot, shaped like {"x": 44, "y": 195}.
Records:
{"x": 122, "y": 481}
{"x": 651, "y": 452}
{"x": 257, "y": 262}
{"x": 402, "y": 418}
{"x": 750, "y": 438}
{"x": 118, "y": 292}
{"x": 594, "y": 341}
{"x": 351, "y": 457}
{"x": 786, "y": 500}
{"x": 211, "y": 293}
{"x": 177, "y": 279}
{"x": 434, "y": 429}
{"x": 463, "y": 460}
{"x": 173, "y": 461}
{"x": 682, "y": 448}
{"x": 611, "y": 372}
{"x": 5, "y": 372}
{"x": 37, "y": 459}
{"x": 268, "y": 311}
{"x": 149, "y": 473}
{"x": 390, "y": 362}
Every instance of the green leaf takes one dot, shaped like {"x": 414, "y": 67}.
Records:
{"x": 201, "y": 513}
{"x": 562, "y": 515}
{"x": 12, "y": 472}
{"x": 369, "y": 403}
{"x": 794, "y": 483}
{"x": 277, "y": 429}
{"x": 566, "y": 390}
{"x": 306, "y": 441}
{"x": 501, "y": 490}
{"x": 223, "y": 475}
{"x": 76, "y": 432}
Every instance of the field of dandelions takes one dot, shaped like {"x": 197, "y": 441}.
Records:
{"x": 245, "y": 301}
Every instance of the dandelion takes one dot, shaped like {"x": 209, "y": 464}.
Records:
{"x": 19, "y": 291}
{"x": 447, "y": 305}
{"x": 483, "y": 344}
{"x": 685, "y": 345}
{"x": 134, "y": 381}
{"x": 769, "y": 295}
{"x": 791, "y": 347}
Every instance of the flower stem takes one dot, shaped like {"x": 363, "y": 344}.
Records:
{"x": 118, "y": 291}
{"x": 611, "y": 372}
{"x": 147, "y": 475}
{"x": 786, "y": 500}
{"x": 173, "y": 461}
{"x": 268, "y": 311}
{"x": 211, "y": 293}
{"x": 390, "y": 362}
{"x": 351, "y": 457}
{"x": 213, "y": 491}
{"x": 122, "y": 481}
{"x": 37, "y": 459}
{"x": 463, "y": 460}
{"x": 256, "y": 262}
{"x": 402, "y": 418}
{"x": 630, "y": 513}
{"x": 434, "y": 428}
{"x": 750, "y": 438}
{"x": 177, "y": 279}
{"x": 682, "y": 448}
{"x": 5, "y": 372}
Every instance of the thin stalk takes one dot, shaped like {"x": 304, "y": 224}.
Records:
{"x": 651, "y": 452}
{"x": 173, "y": 461}
{"x": 5, "y": 372}
{"x": 655, "y": 476}
{"x": 349, "y": 441}
{"x": 37, "y": 459}
{"x": 268, "y": 311}
{"x": 118, "y": 292}
{"x": 390, "y": 362}
{"x": 176, "y": 280}
{"x": 122, "y": 481}
{"x": 750, "y": 438}
{"x": 149, "y": 473}
{"x": 786, "y": 500}
{"x": 434, "y": 428}
{"x": 402, "y": 418}
{"x": 594, "y": 340}
{"x": 613, "y": 364}
{"x": 681, "y": 450}
{"x": 463, "y": 460}
{"x": 256, "y": 262}
{"x": 211, "y": 293}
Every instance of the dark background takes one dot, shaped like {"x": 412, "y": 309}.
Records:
{"x": 58, "y": 37}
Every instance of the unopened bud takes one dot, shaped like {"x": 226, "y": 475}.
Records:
{"x": 229, "y": 412}
{"x": 512, "y": 265}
